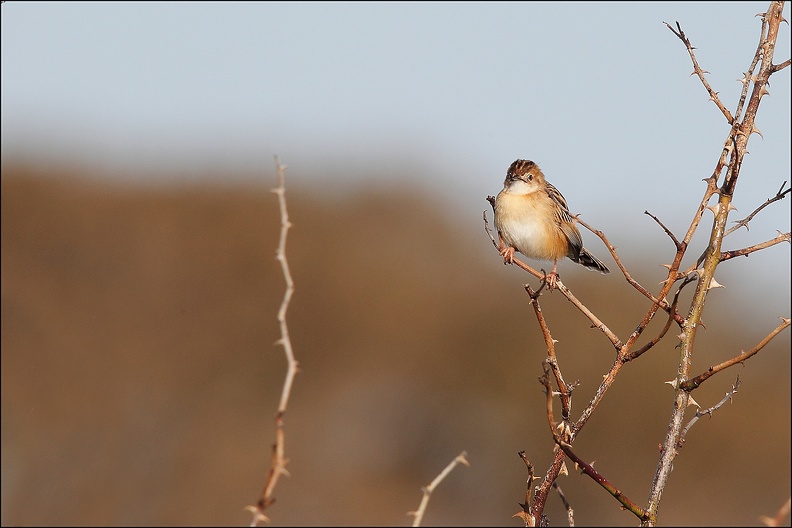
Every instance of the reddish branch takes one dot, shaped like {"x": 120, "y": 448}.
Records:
{"x": 587, "y": 469}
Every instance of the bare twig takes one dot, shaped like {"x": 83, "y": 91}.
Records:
{"x": 278, "y": 459}
{"x": 636, "y": 353}
{"x": 427, "y": 491}
{"x": 667, "y": 231}
{"x": 526, "y": 510}
{"x": 699, "y": 72}
{"x": 695, "y": 382}
{"x": 744, "y": 222}
{"x": 565, "y": 502}
{"x": 708, "y": 412}
{"x": 643, "y": 291}
{"x": 782, "y": 237}
{"x": 552, "y": 361}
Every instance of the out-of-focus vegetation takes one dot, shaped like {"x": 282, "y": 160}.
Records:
{"x": 139, "y": 379}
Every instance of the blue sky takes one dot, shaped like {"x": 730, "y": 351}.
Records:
{"x": 599, "y": 94}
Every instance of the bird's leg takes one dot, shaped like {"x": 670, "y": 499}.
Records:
{"x": 507, "y": 252}
{"x": 552, "y": 277}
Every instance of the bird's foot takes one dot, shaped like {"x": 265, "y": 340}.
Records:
{"x": 550, "y": 280}
{"x": 508, "y": 254}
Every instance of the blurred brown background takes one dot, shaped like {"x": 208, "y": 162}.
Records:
{"x": 140, "y": 380}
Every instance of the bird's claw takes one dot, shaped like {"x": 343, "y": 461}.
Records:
{"x": 550, "y": 280}
{"x": 508, "y": 255}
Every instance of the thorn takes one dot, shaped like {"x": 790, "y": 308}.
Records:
{"x": 673, "y": 383}
{"x": 729, "y": 147}
{"x": 731, "y": 207}
{"x": 755, "y": 130}
{"x": 714, "y": 284}
{"x": 257, "y": 515}
{"x": 691, "y": 401}
{"x": 714, "y": 208}
{"x": 681, "y": 336}
{"x": 763, "y": 91}
{"x": 564, "y": 470}
{"x": 712, "y": 97}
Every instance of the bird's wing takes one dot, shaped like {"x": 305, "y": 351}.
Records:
{"x": 566, "y": 222}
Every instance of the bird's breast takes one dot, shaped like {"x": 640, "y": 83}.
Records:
{"x": 528, "y": 223}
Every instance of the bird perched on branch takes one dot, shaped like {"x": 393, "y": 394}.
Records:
{"x": 532, "y": 217}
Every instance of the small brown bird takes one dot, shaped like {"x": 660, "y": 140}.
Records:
{"x": 532, "y": 217}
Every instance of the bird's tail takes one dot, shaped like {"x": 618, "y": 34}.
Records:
{"x": 590, "y": 261}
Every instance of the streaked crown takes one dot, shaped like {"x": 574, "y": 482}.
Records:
{"x": 521, "y": 167}
{"x": 525, "y": 171}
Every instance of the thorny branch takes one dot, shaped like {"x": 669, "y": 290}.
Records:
{"x": 744, "y": 252}
{"x": 737, "y": 140}
{"x": 552, "y": 361}
{"x": 278, "y": 460}
{"x": 427, "y": 491}
{"x": 744, "y": 222}
{"x": 643, "y": 291}
{"x": 526, "y": 511}
{"x": 585, "y": 467}
{"x": 700, "y": 73}
{"x": 708, "y": 412}
{"x": 696, "y": 381}
{"x": 667, "y": 231}
{"x": 731, "y": 158}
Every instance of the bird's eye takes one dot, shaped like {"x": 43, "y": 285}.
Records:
{"x": 530, "y": 177}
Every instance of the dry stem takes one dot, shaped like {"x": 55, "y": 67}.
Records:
{"x": 708, "y": 412}
{"x": 427, "y": 491}
{"x": 278, "y": 459}
{"x": 695, "y": 382}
